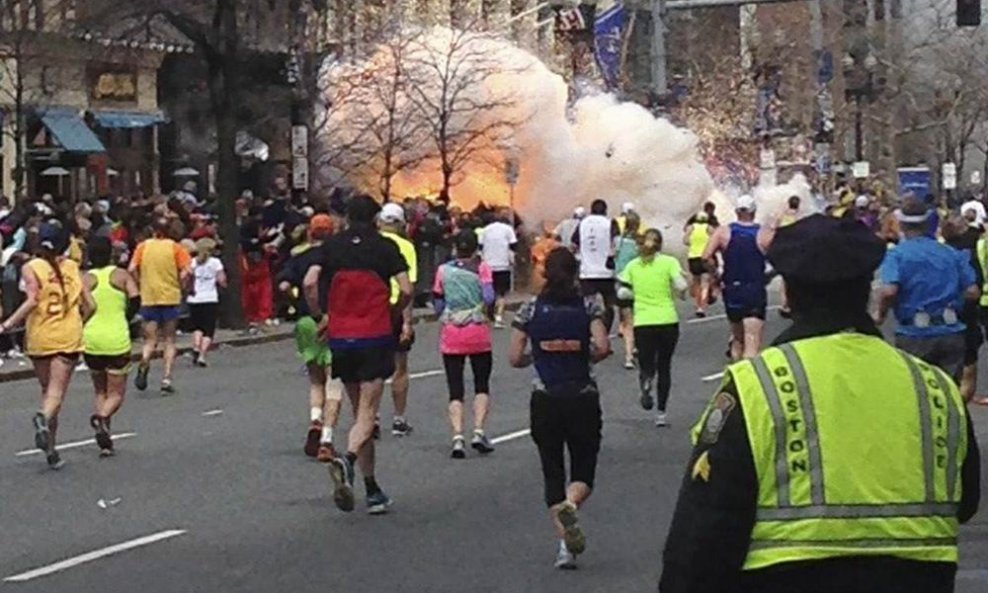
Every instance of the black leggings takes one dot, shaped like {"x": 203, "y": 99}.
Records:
{"x": 574, "y": 422}
{"x": 655, "y": 345}
{"x": 481, "y": 365}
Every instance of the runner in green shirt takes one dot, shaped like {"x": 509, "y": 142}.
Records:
{"x": 652, "y": 281}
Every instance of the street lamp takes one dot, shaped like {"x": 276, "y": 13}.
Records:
{"x": 859, "y": 66}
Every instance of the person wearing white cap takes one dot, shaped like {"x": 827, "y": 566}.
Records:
{"x": 742, "y": 245}
{"x": 391, "y": 222}
{"x": 622, "y": 221}
{"x": 981, "y": 216}
{"x": 565, "y": 229}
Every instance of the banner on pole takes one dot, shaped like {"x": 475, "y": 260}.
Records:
{"x": 608, "y": 32}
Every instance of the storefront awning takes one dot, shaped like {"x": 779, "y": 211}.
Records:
{"x": 128, "y": 119}
{"x": 70, "y": 131}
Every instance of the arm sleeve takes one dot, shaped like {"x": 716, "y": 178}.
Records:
{"x": 182, "y": 258}
{"x": 889, "y": 270}
{"x": 395, "y": 263}
{"x": 138, "y": 256}
{"x": 711, "y": 526}
{"x": 970, "y": 477}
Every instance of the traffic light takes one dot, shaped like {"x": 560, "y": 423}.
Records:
{"x": 968, "y": 13}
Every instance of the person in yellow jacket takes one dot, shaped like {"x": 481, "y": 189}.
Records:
{"x": 106, "y": 336}
{"x": 55, "y": 307}
{"x": 696, "y": 237}
{"x": 830, "y": 462}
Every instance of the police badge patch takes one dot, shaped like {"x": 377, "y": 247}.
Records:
{"x": 720, "y": 409}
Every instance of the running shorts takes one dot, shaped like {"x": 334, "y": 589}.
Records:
{"x": 605, "y": 287}
{"x": 311, "y": 349}
{"x": 160, "y": 313}
{"x": 364, "y": 364}
{"x": 697, "y": 266}
{"x": 502, "y": 283}
{"x": 113, "y": 365}
{"x": 203, "y": 316}
{"x": 745, "y": 301}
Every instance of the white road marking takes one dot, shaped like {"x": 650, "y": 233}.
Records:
{"x": 714, "y": 377}
{"x": 722, "y": 316}
{"x": 421, "y": 375}
{"x": 94, "y": 555}
{"x": 216, "y": 412}
{"x": 511, "y": 436}
{"x": 425, "y": 374}
{"x": 77, "y": 444}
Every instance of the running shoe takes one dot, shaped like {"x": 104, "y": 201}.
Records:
{"x": 42, "y": 435}
{"x": 54, "y": 461}
{"x": 647, "y": 401}
{"x": 459, "y": 448}
{"x": 377, "y": 430}
{"x": 103, "y": 439}
{"x": 499, "y": 322}
{"x": 202, "y": 364}
{"x": 565, "y": 560}
{"x": 326, "y": 453}
{"x": 629, "y": 365}
{"x": 701, "y": 314}
{"x": 378, "y": 503}
{"x": 167, "y": 388}
{"x": 573, "y": 536}
{"x": 312, "y": 437}
{"x": 141, "y": 379}
{"x": 661, "y": 420}
{"x": 481, "y": 443}
{"x": 401, "y": 428}
{"x": 195, "y": 358}
{"x": 341, "y": 471}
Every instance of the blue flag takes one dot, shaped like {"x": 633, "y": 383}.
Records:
{"x": 608, "y": 32}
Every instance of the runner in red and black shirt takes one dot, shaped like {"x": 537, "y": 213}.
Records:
{"x": 357, "y": 266}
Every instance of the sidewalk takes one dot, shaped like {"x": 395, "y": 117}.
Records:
{"x": 21, "y": 369}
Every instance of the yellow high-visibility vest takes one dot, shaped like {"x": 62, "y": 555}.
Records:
{"x": 858, "y": 449}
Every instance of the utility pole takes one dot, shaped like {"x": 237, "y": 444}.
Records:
{"x": 660, "y": 78}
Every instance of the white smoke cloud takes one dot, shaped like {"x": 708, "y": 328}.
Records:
{"x": 571, "y": 155}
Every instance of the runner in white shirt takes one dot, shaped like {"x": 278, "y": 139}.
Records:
{"x": 498, "y": 241}
{"x": 205, "y": 297}
{"x": 565, "y": 229}
{"x": 594, "y": 239}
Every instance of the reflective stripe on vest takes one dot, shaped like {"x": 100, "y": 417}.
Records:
{"x": 982, "y": 250}
{"x": 878, "y": 504}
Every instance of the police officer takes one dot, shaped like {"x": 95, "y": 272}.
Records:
{"x": 831, "y": 462}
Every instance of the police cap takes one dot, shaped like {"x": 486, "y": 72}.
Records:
{"x": 824, "y": 250}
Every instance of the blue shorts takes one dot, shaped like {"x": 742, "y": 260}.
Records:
{"x": 160, "y": 313}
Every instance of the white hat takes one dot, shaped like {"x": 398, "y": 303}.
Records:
{"x": 392, "y": 213}
{"x": 746, "y": 203}
{"x": 862, "y": 201}
{"x": 580, "y": 212}
{"x": 627, "y": 207}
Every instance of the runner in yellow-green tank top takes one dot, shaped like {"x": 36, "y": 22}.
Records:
{"x": 106, "y": 337}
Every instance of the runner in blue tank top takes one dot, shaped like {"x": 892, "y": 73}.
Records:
{"x": 742, "y": 245}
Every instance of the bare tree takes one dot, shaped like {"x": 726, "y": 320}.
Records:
{"x": 466, "y": 112}
{"x": 30, "y": 78}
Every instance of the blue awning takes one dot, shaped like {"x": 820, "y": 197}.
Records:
{"x": 128, "y": 119}
{"x": 70, "y": 131}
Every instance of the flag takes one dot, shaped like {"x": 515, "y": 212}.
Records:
{"x": 570, "y": 18}
{"x": 608, "y": 33}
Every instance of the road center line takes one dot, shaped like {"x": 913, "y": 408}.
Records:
{"x": 511, "y": 436}
{"x": 215, "y": 412}
{"x": 94, "y": 555}
{"x": 713, "y": 377}
{"x": 77, "y": 444}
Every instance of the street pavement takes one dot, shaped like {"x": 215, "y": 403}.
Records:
{"x": 210, "y": 491}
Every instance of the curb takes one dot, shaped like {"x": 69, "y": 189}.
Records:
{"x": 235, "y": 342}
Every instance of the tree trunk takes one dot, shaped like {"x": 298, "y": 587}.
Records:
{"x": 223, "y": 87}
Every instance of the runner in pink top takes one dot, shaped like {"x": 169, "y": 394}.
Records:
{"x": 463, "y": 296}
